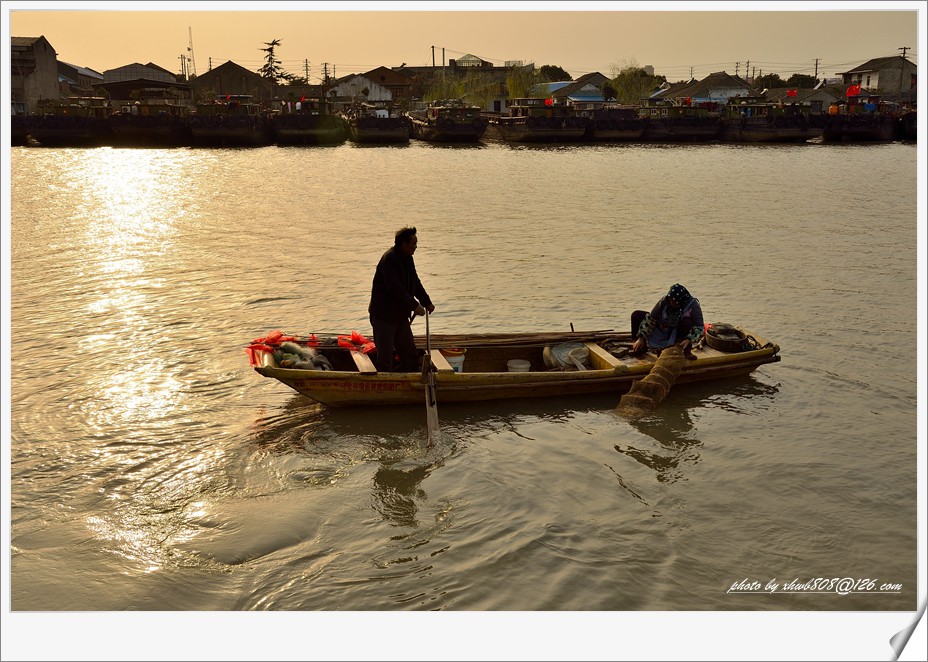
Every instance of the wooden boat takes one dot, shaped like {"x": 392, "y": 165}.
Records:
{"x": 376, "y": 124}
{"x": 448, "y": 121}
{"x": 309, "y": 121}
{"x": 669, "y": 122}
{"x": 908, "y": 126}
{"x": 540, "y": 120}
{"x": 75, "y": 122}
{"x": 864, "y": 118}
{"x": 230, "y": 120}
{"x": 757, "y": 120}
{"x": 485, "y": 374}
{"x": 611, "y": 122}
{"x": 152, "y": 123}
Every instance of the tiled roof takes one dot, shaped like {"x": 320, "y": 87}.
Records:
{"x": 572, "y": 87}
{"x": 780, "y": 94}
{"x": 875, "y": 64}
{"x": 717, "y": 80}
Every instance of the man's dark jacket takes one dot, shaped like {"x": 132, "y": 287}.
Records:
{"x": 396, "y": 288}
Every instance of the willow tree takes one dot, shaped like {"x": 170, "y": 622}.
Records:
{"x": 634, "y": 83}
{"x": 519, "y": 81}
{"x": 480, "y": 88}
{"x": 444, "y": 87}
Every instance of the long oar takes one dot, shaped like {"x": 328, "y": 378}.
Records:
{"x": 431, "y": 404}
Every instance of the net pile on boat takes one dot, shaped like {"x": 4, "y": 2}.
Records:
{"x": 648, "y": 392}
{"x": 291, "y": 355}
{"x": 567, "y": 356}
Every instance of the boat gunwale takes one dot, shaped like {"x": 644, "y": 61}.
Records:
{"x": 352, "y": 387}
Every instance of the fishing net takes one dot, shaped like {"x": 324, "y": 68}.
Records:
{"x": 646, "y": 393}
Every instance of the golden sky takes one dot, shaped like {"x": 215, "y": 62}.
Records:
{"x": 353, "y": 37}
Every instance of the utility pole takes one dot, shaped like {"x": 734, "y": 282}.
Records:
{"x": 433, "y": 57}
{"x": 306, "y": 70}
{"x": 183, "y": 65}
{"x": 747, "y": 69}
{"x": 816, "y": 70}
{"x": 737, "y": 67}
{"x": 902, "y": 69}
{"x": 691, "y": 73}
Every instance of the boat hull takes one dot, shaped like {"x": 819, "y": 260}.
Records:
{"x": 616, "y": 130}
{"x": 150, "y": 131}
{"x": 486, "y": 380}
{"x": 859, "y": 128}
{"x": 448, "y": 130}
{"x": 736, "y": 130}
{"x": 305, "y": 129}
{"x": 378, "y": 130}
{"x": 681, "y": 129}
{"x": 541, "y": 129}
{"x": 230, "y": 131}
{"x": 71, "y": 131}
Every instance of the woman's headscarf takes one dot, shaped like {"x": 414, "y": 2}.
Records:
{"x": 679, "y": 295}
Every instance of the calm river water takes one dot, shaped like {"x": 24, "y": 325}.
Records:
{"x": 151, "y": 469}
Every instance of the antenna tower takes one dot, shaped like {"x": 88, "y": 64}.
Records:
{"x": 193, "y": 61}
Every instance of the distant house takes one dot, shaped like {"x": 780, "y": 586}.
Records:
{"x": 669, "y": 90}
{"x": 717, "y": 87}
{"x": 134, "y": 82}
{"x": 79, "y": 81}
{"x": 895, "y": 78}
{"x": 231, "y": 78}
{"x": 33, "y": 74}
{"x": 819, "y": 98}
{"x": 399, "y": 84}
{"x": 358, "y": 87}
{"x": 287, "y": 93}
{"x": 586, "y": 88}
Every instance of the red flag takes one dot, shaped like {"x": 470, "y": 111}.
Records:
{"x": 303, "y": 97}
{"x": 853, "y": 90}
{"x": 791, "y": 93}
{"x": 228, "y": 97}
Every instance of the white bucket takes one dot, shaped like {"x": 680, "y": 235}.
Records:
{"x": 456, "y": 362}
{"x": 518, "y": 365}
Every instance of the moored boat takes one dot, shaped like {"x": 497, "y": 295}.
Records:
{"x": 75, "y": 122}
{"x": 488, "y": 370}
{"x": 155, "y": 123}
{"x": 448, "y": 121}
{"x": 376, "y": 124}
{"x": 540, "y": 120}
{"x": 230, "y": 120}
{"x": 309, "y": 121}
{"x": 864, "y": 118}
{"x": 908, "y": 126}
{"x": 669, "y": 122}
{"x": 757, "y": 120}
{"x": 611, "y": 122}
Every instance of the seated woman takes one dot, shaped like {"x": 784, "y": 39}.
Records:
{"x": 676, "y": 319}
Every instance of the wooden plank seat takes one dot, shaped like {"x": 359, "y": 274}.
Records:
{"x": 440, "y": 362}
{"x": 364, "y": 363}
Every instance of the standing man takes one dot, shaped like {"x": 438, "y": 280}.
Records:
{"x": 396, "y": 293}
